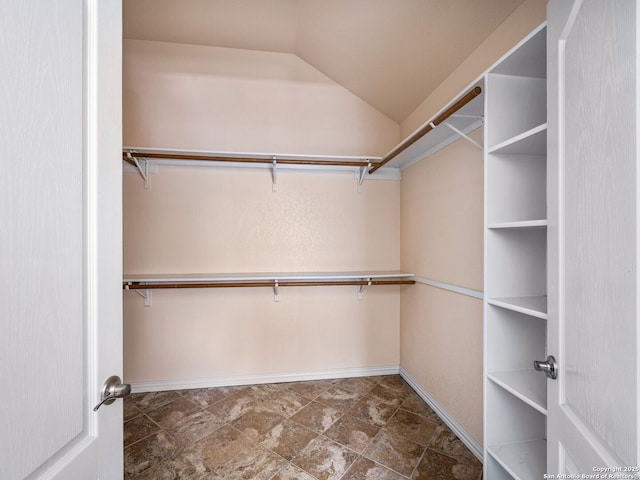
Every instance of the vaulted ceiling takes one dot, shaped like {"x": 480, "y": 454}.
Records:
{"x": 390, "y": 53}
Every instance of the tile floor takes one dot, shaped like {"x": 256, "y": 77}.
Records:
{"x": 369, "y": 428}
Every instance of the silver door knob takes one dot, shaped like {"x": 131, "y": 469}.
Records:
{"x": 113, "y": 388}
{"x": 550, "y": 367}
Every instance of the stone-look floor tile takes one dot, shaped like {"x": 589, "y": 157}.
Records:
{"x": 324, "y": 459}
{"x": 387, "y": 395}
{"x": 310, "y": 390}
{"x": 264, "y": 390}
{"x": 232, "y": 434}
{"x": 338, "y": 398}
{"x": 147, "y": 452}
{"x": 291, "y": 472}
{"x": 147, "y": 402}
{"x": 138, "y": 428}
{"x": 437, "y": 466}
{"x": 365, "y": 469}
{"x": 284, "y": 402}
{"x": 232, "y": 408}
{"x": 195, "y": 426}
{"x": 395, "y": 452}
{"x": 317, "y": 416}
{"x": 414, "y": 404}
{"x": 255, "y": 424}
{"x": 397, "y": 385}
{"x": 375, "y": 408}
{"x": 130, "y": 410}
{"x": 359, "y": 385}
{"x": 257, "y": 464}
{"x": 171, "y": 414}
{"x": 184, "y": 465}
{"x": 205, "y": 397}
{"x": 412, "y": 426}
{"x": 445, "y": 441}
{"x": 287, "y": 439}
{"x": 223, "y": 445}
{"x": 352, "y": 432}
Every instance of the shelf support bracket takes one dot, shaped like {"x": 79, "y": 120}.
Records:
{"x": 144, "y": 172}
{"x": 363, "y": 172}
{"x": 463, "y": 135}
{"x": 274, "y": 175}
{"x": 276, "y": 292}
{"x": 362, "y": 287}
{"x": 146, "y": 294}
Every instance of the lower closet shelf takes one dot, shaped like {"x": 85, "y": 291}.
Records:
{"x": 527, "y": 385}
{"x": 522, "y": 460}
{"x": 144, "y": 283}
{"x": 536, "y": 306}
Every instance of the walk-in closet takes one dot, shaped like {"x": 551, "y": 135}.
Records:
{"x": 320, "y": 239}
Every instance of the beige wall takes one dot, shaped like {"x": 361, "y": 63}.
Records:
{"x": 442, "y": 215}
{"x": 203, "y": 220}
{"x": 223, "y": 99}
{"x": 442, "y": 240}
{"x": 217, "y": 220}
{"x": 441, "y": 349}
{"x": 518, "y": 25}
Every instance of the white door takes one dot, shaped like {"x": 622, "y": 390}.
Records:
{"x": 60, "y": 238}
{"x": 593, "y": 235}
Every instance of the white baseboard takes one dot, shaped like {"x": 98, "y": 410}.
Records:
{"x": 455, "y": 427}
{"x": 228, "y": 381}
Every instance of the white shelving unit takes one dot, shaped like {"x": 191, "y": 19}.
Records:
{"x": 515, "y": 263}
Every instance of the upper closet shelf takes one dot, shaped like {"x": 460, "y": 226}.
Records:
{"x": 461, "y": 117}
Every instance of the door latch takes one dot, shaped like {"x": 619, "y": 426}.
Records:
{"x": 550, "y": 367}
{"x": 113, "y": 388}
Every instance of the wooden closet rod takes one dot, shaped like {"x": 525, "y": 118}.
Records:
{"x": 470, "y": 95}
{"x": 271, "y": 283}
{"x": 279, "y": 161}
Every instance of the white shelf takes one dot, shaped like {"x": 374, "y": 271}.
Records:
{"x": 527, "y": 385}
{"x": 523, "y": 460}
{"x": 263, "y": 276}
{"x": 531, "y": 142}
{"x": 536, "y": 306}
{"x": 519, "y": 224}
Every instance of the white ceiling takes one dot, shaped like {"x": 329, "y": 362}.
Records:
{"x": 390, "y": 53}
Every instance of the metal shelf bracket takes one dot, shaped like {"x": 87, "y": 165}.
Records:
{"x": 362, "y": 287}
{"x": 143, "y": 170}
{"x": 463, "y": 135}
{"x": 146, "y": 294}
{"x": 274, "y": 175}
{"x": 363, "y": 171}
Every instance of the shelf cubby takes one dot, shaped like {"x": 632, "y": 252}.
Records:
{"x": 522, "y": 460}
{"x": 516, "y": 188}
{"x": 516, "y": 263}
